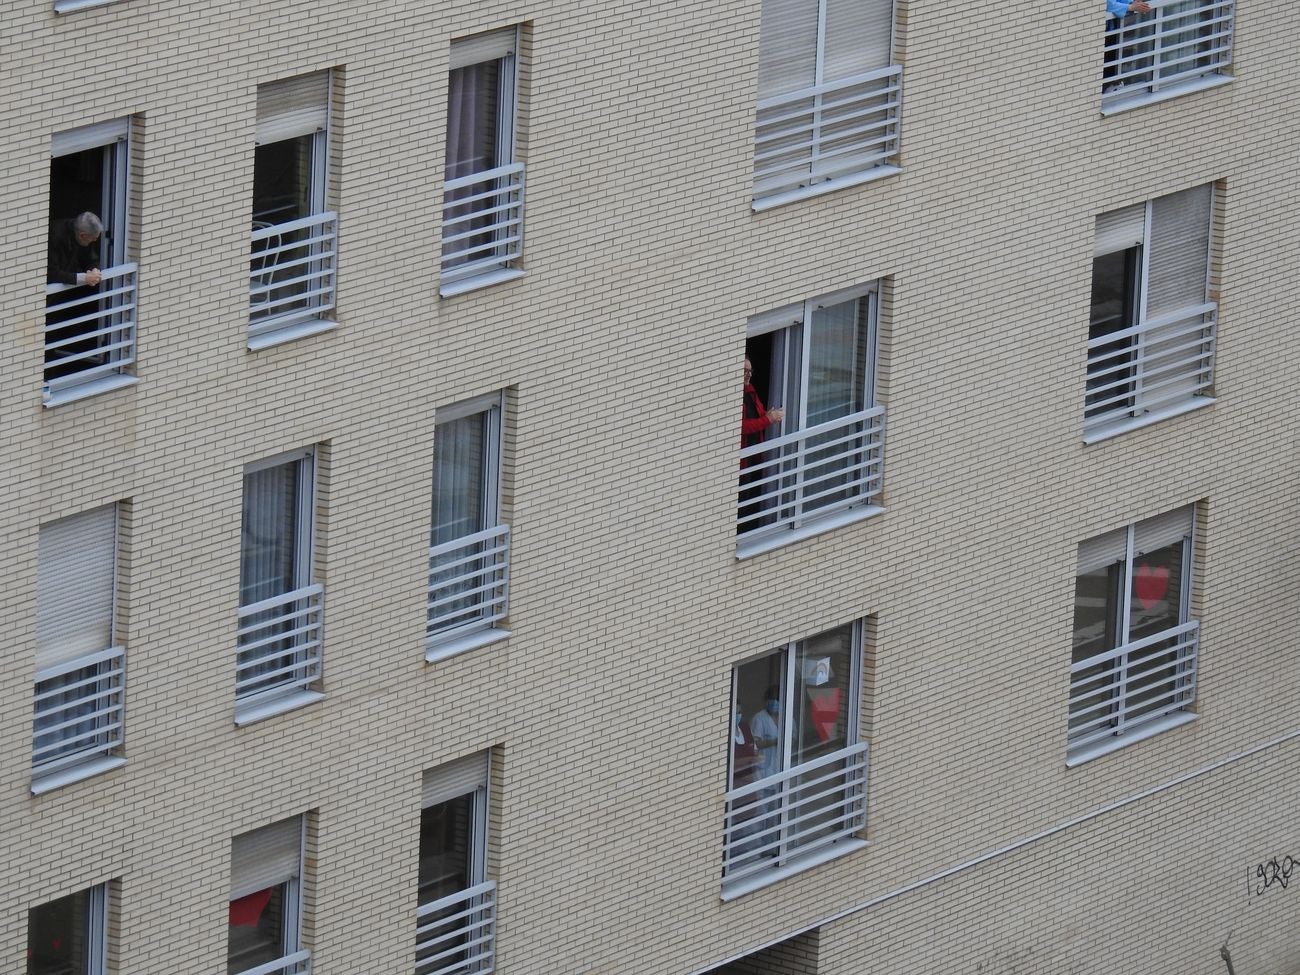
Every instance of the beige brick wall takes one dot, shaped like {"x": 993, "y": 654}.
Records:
{"x": 609, "y": 703}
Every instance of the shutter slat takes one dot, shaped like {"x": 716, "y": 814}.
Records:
{"x": 490, "y": 46}
{"x": 1119, "y": 230}
{"x": 89, "y": 137}
{"x": 1163, "y": 530}
{"x": 454, "y": 779}
{"x": 266, "y": 857}
{"x": 858, "y": 37}
{"x": 787, "y": 47}
{"x": 1102, "y": 551}
{"x": 76, "y": 558}
{"x": 1180, "y": 250}
{"x": 292, "y": 107}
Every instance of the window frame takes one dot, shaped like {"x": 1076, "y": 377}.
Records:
{"x": 291, "y": 907}
{"x": 95, "y": 920}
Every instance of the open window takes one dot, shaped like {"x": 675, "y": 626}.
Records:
{"x": 1133, "y": 662}
{"x": 469, "y": 554}
{"x": 264, "y": 928}
{"x": 483, "y": 188}
{"x": 69, "y": 936}
{"x": 819, "y": 465}
{"x": 1151, "y": 328}
{"x": 294, "y": 234}
{"x": 797, "y": 786}
{"x": 77, "y": 723}
{"x": 281, "y": 606}
{"x": 829, "y": 97}
{"x": 456, "y": 916}
{"x": 1179, "y": 46}
{"x": 90, "y": 313}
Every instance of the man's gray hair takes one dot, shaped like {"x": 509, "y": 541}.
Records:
{"x": 88, "y": 223}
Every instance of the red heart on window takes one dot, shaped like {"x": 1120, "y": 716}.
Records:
{"x": 1150, "y": 585}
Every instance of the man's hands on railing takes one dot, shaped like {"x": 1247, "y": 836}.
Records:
{"x": 92, "y": 277}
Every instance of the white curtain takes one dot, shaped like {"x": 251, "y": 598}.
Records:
{"x": 459, "y": 452}
{"x": 270, "y": 532}
{"x": 473, "y": 100}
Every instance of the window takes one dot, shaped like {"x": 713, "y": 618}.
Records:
{"x": 279, "y": 659}
{"x": 265, "y": 922}
{"x": 72, "y": 6}
{"x": 291, "y": 268}
{"x": 90, "y": 292}
{"x": 483, "y": 188}
{"x": 469, "y": 555}
{"x": 828, "y": 97}
{"x": 820, "y": 464}
{"x": 77, "y": 716}
{"x": 1179, "y": 46}
{"x": 69, "y": 936}
{"x": 1133, "y": 663}
{"x": 798, "y": 774}
{"x": 1151, "y": 328}
{"x": 456, "y": 917}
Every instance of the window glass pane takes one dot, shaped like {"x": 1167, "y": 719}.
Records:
{"x": 473, "y": 119}
{"x": 282, "y": 181}
{"x": 837, "y": 361}
{"x": 1096, "y": 610}
{"x": 269, "y": 542}
{"x": 460, "y": 453}
{"x": 446, "y": 848}
{"x": 823, "y": 675}
{"x": 58, "y": 937}
{"x": 1157, "y": 595}
{"x": 256, "y": 933}
{"x": 760, "y": 700}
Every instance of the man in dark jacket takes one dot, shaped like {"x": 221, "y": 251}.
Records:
{"x": 74, "y": 251}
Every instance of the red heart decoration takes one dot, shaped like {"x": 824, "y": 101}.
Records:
{"x": 1150, "y": 585}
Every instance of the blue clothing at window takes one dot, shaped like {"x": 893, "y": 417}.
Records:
{"x": 1117, "y": 8}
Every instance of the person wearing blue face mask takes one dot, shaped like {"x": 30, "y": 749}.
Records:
{"x": 766, "y": 728}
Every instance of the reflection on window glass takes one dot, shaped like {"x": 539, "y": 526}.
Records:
{"x": 256, "y": 931}
{"x": 58, "y": 937}
{"x": 446, "y": 844}
{"x": 282, "y": 181}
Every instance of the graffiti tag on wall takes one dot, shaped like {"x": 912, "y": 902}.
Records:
{"x": 1274, "y": 874}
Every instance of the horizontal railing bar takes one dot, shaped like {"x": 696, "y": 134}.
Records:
{"x": 105, "y": 274}
{"x": 461, "y": 181}
{"x": 301, "y": 223}
{"x": 280, "y": 966}
{"x": 850, "y": 82}
{"x": 113, "y": 677}
{"x": 306, "y": 592}
{"x": 1146, "y": 641}
{"x": 1157, "y": 321}
{"x": 451, "y": 899}
{"x": 79, "y": 663}
{"x": 827, "y": 427}
{"x": 851, "y": 751}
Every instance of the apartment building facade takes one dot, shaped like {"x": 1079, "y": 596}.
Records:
{"x": 751, "y": 487}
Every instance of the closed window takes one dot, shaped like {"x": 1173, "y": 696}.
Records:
{"x": 456, "y": 916}
{"x": 469, "y": 555}
{"x": 292, "y": 264}
{"x": 265, "y": 915}
{"x": 483, "y": 188}
{"x": 279, "y": 658}
{"x": 812, "y": 430}
{"x": 90, "y": 292}
{"x": 77, "y": 727}
{"x": 1133, "y": 662}
{"x": 797, "y": 778}
{"x": 828, "y": 97}
{"x": 1151, "y": 328}
{"x": 69, "y": 936}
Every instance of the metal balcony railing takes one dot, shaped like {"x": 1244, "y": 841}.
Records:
{"x": 299, "y": 963}
{"x": 291, "y": 272}
{"x": 777, "y": 821}
{"x": 1150, "y": 367}
{"x": 456, "y": 935}
{"x": 1177, "y": 42}
{"x": 827, "y": 132}
{"x": 89, "y": 332}
{"x": 482, "y": 223}
{"x": 280, "y": 643}
{"x": 469, "y": 582}
{"x": 824, "y": 468}
{"x": 1112, "y": 692}
{"x": 78, "y": 710}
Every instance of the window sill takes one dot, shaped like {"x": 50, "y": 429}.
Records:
{"x": 480, "y": 281}
{"x": 260, "y": 709}
{"x": 758, "y": 881}
{"x": 779, "y": 538}
{"x": 42, "y": 784}
{"x": 440, "y": 647}
{"x": 83, "y": 390}
{"x": 290, "y": 333}
{"x": 1114, "y": 428}
{"x": 1121, "y": 102}
{"x": 821, "y": 189}
{"x": 72, "y": 6}
{"x": 1097, "y": 749}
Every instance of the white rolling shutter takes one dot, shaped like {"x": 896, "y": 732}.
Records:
{"x": 454, "y": 779}
{"x": 775, "y": 320}
{"x": 1164, "y": 530}
{"x": 266, "y": 857}
{"x": 89, "y": 137}
{"x": 1120, "y": 229}
{"x": 858, "y": 37}
{"x": 491, "y": 46}
{"x": 75, "y": 564}
{"x": 787, "y": 47}
{"x": 292, "y": 107}
{"x": 1102, "y": 551}
{"x": 1179, "y": 261}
